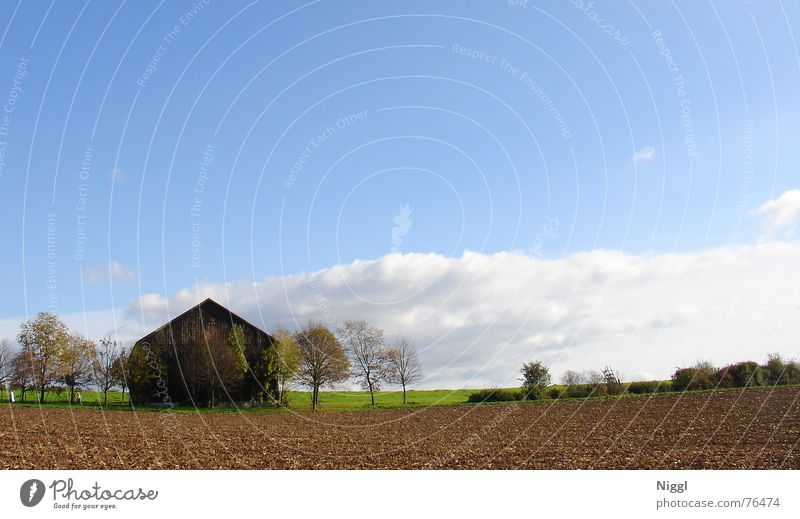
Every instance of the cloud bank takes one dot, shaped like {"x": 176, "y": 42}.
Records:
{"x": 476, "y": 318}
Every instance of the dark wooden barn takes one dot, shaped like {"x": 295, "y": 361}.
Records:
{"x": 198, "y": 359}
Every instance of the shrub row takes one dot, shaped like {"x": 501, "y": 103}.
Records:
{"x": 742, "y": 374}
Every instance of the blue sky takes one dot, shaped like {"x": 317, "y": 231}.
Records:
{"x": 286, "y": 137}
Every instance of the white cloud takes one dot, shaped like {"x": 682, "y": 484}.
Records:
{"x": 646, "y": 153}
{"x": 114, "y": 271}
{"x": 781, "y": 216}
{"x": 478, "y": 317}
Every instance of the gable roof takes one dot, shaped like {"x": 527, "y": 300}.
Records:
{"x": 207, "y": 302}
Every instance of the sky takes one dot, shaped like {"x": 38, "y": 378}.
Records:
{"x": 585, "y": 183}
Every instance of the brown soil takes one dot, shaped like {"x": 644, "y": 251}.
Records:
{"x": 730, "y": 430}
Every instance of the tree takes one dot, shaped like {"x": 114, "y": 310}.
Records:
{"x": 75, "y": 363}
{"x": 535, "y": 377}
{"x": 121, "y": 371}
{"x": 535, "y": 373}
{"x": 323, "y": 361}
{"x": 367, "y": 354}
{"x": 22, "y": 372}
{"x": 45, "y": 338}
{"x": 404, "y": 362}
{"x": 573, "y": 378}
{"x": 6, "y": 357}
{"x": 282, "y": 361}
{"x": 104, "y": 366}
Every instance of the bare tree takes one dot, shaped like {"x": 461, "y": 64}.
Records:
{"x": 75, "y": 363}
{"x": 121, "y": 371}
{"x": 573, "y": 378}
{"x": 45, "y": 338}
{"x": 404, "y": 363}
{"x": 367, "y": 353}
{"x": 323, "y": 361}
{"x": 104, "y": 364}
{"x": 6, "y": 357}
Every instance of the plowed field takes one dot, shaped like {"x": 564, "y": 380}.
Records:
{"x": 731, "y": 429}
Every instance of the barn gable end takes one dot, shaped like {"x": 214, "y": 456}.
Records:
{"x": 174, "y": 364}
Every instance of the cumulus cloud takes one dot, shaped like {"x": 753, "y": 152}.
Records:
{"x": 646, "y": 153}
{"x": 781, "y": 216}
{"x": 476, "y": 318}
{"x": 113, "y": 271}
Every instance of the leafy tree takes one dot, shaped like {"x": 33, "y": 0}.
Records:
{"x": 404, "y": 362}
{"x": 45, "y": 338}
{"x": 282, "y": 361}
{"x": 226, "y": 363}
{"x": 22, "y": 374}
{"x": 535, "y": 373}
{"x": 75, "y": 363}
{"x": 367, "y": 354}
{"x": 323, "y": 361}
{"x": 535, "y": 377}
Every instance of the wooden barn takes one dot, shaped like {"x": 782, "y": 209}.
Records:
{"x": 204, "y": 356}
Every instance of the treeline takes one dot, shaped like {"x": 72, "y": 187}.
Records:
{"x": 316, "y": 357}
{"x": 53, "y": 358}
{"x": 777, "y": 371}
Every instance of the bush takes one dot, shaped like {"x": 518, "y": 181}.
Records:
{"x": 494, "y": 395}
{"x": 745, "y": 374}
{"x": 533, "y": 393}
{"x": 586, "y": 390}
{"x": 555, "y": 394}
{"x": 702, "y": 376}
{"x": 780, "y": 372}
{"x": 644, "y": 387}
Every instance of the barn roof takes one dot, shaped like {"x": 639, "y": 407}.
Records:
{"x": 207, "y": 302}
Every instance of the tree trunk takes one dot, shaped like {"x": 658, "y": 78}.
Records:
{"x": 71, "y": 394}
{"x": 371, "y": 392}
{"x": 105, "y": 398}
{"x": 41, "y": 395}
{"x": 123, "y": 395}
{"x": 404, "y": 394}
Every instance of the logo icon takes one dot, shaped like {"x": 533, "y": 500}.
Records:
{"x": 31, "y": 492}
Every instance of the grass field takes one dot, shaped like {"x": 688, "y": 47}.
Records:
{"x": 301, "y": 400}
